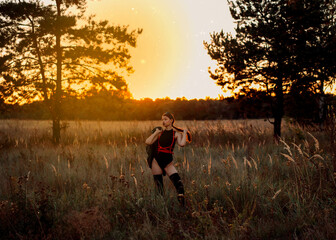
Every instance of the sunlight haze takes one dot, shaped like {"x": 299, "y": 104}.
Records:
{"x": 170, "y": 59}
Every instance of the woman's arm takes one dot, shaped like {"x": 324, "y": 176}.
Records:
{"x": 152, "y": 138}
{"x": 182, "y": 138}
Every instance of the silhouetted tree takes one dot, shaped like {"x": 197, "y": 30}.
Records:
{"x": 265, "y": 50}
{"x": 314, "y": 27}
{"x": 49, "y": 51}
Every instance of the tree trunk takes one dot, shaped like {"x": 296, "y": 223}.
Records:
{"x": 322, "y": 111}
{"x": 46, "y": 99}
{"x": 58, "y": 93}
{"x": 278, "y": 111}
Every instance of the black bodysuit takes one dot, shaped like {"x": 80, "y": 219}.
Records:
{"x": 166, "y": 143}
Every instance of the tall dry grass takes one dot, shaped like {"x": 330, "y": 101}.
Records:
{"x": 97, "y": 185}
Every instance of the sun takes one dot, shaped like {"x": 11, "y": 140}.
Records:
{"x": 170, "y": 59}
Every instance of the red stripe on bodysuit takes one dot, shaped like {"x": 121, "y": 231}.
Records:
{"x": 168, "y": 149}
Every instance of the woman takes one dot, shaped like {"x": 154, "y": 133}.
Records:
{"x": 162, "y": 163}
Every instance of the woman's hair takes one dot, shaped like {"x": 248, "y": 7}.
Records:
{"x": 171, "y": 116}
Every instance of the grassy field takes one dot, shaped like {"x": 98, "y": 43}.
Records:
{"x": 97, "y": 185}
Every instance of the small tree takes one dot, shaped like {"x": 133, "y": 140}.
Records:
{"x": 52, "y": 51}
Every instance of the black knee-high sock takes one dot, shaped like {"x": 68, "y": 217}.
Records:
{"x": 175, "y": 178}
{"x": 159, "y": 183}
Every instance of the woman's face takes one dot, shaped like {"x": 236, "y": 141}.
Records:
{"x": 166, "y": 121}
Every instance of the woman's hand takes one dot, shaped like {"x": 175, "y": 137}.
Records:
{"x": 157, "y": 131}
{"x": 152, "y": 138}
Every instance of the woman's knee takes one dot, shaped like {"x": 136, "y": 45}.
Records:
{"x": 170, "y": 169}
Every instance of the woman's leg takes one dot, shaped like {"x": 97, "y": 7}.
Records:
{"x": 156, "y": 170}
{"x": 176, "y": 180}
{"x": 170, "y": 169}
{"x": 157, "y": 174}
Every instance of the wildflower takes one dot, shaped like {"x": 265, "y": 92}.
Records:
{"x": 86, "y": 186}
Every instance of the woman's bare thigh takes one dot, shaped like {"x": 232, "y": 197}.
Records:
{"x": 170, "y": 169}
{"x": 156, "y": 170}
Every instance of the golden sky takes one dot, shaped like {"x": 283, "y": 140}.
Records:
{"x": 170, "y": 59}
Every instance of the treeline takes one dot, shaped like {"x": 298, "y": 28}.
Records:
{"x": 105, "y": 107}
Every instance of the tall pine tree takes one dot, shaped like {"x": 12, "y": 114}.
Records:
{"x": 49, "y": 51}
{"x": 272, "y": 48}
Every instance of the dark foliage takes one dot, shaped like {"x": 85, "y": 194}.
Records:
{"x": 108, "y": 107}
{"x": 280, "y": 46}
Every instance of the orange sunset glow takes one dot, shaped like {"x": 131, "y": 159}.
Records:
{"x": 170, "y": 59}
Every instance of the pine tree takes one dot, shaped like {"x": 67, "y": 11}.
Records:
{"x": 50, "y": 51}
{"x": 272, "y": 48}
